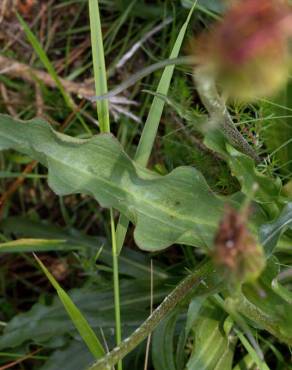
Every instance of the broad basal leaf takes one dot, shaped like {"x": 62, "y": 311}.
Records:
{"x": 178, "y": 207}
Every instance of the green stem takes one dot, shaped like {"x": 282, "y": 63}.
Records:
{"x": 168, "y": 304}
{"x": 100, "y": 78}
{"x": 216, "y": 108}
{"x": 116, "y": 286}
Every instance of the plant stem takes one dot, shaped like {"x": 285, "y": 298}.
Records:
{"x": 216, "y": 108}
{"x": 100, "y": 78}
{"x": 168, "y": 304}
{"x": 116, "y": 285}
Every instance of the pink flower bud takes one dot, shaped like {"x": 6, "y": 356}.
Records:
{"x": 248, "y": 51}
{"x": 236, "y": 252}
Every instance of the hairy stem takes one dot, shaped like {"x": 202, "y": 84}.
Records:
{"x": 169, "y": 303}
{"x": 216, "y": 107}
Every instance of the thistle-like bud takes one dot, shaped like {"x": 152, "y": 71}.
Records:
{"x": 236, "y": 252}
{"x": 247, "y": 53}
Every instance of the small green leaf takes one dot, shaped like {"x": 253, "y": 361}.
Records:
{"x": 265, "y": 307}
{"x": 76, "y": 316}
{"x": 271, "y": 232}
{"x": 268, "y": 189}
{"x": 255, "y": 185}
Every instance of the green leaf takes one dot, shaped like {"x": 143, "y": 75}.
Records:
{"x": 177, "y": 208}
{"x": 35, "y": 245}
{"x": 261, "y": 365}
{"x": 271, "y": 232}
{"x": 282, "y": 291}
{"x": 163, "y": 343}
{"x": 213, "y": 347}
{"x": 74, "y": 357}
{"x": 267, "y": 309}
{"x": 132, "y": 263}
{"x": 44, "y": 59}
{"x": 149, "y": 132}
{"x": 76, "y": 316}
{"x": 100, "y": 77}
{"x": 156, "y": 109}
{"x": 268, "y": 189}
{"x": 209, "y": 5}
{"x": 46, "y": 324}
{"x": 192, "y": 314}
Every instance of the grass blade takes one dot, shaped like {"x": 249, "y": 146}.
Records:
{"x": 28, "y": 245}
{"x": 154, "y": 116}
{"x": 44, "y": 59}
{"x": 50, "y": 68}
{"x": 100, "y": 79}
{"x": 99, "y": 65}
{"x": 151, "y": 126}
{"x": 76, "y": 316}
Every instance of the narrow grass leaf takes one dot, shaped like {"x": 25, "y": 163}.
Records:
{"x": 76, "y": 316}
{"x": 154, "y": 116}
{"x": 44, "y": 59}
{"x": 35, "y": 245}
{"x": 99, "y": 65}
{"x": 151, "y": 126}
{"x": 261, "y": 364}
